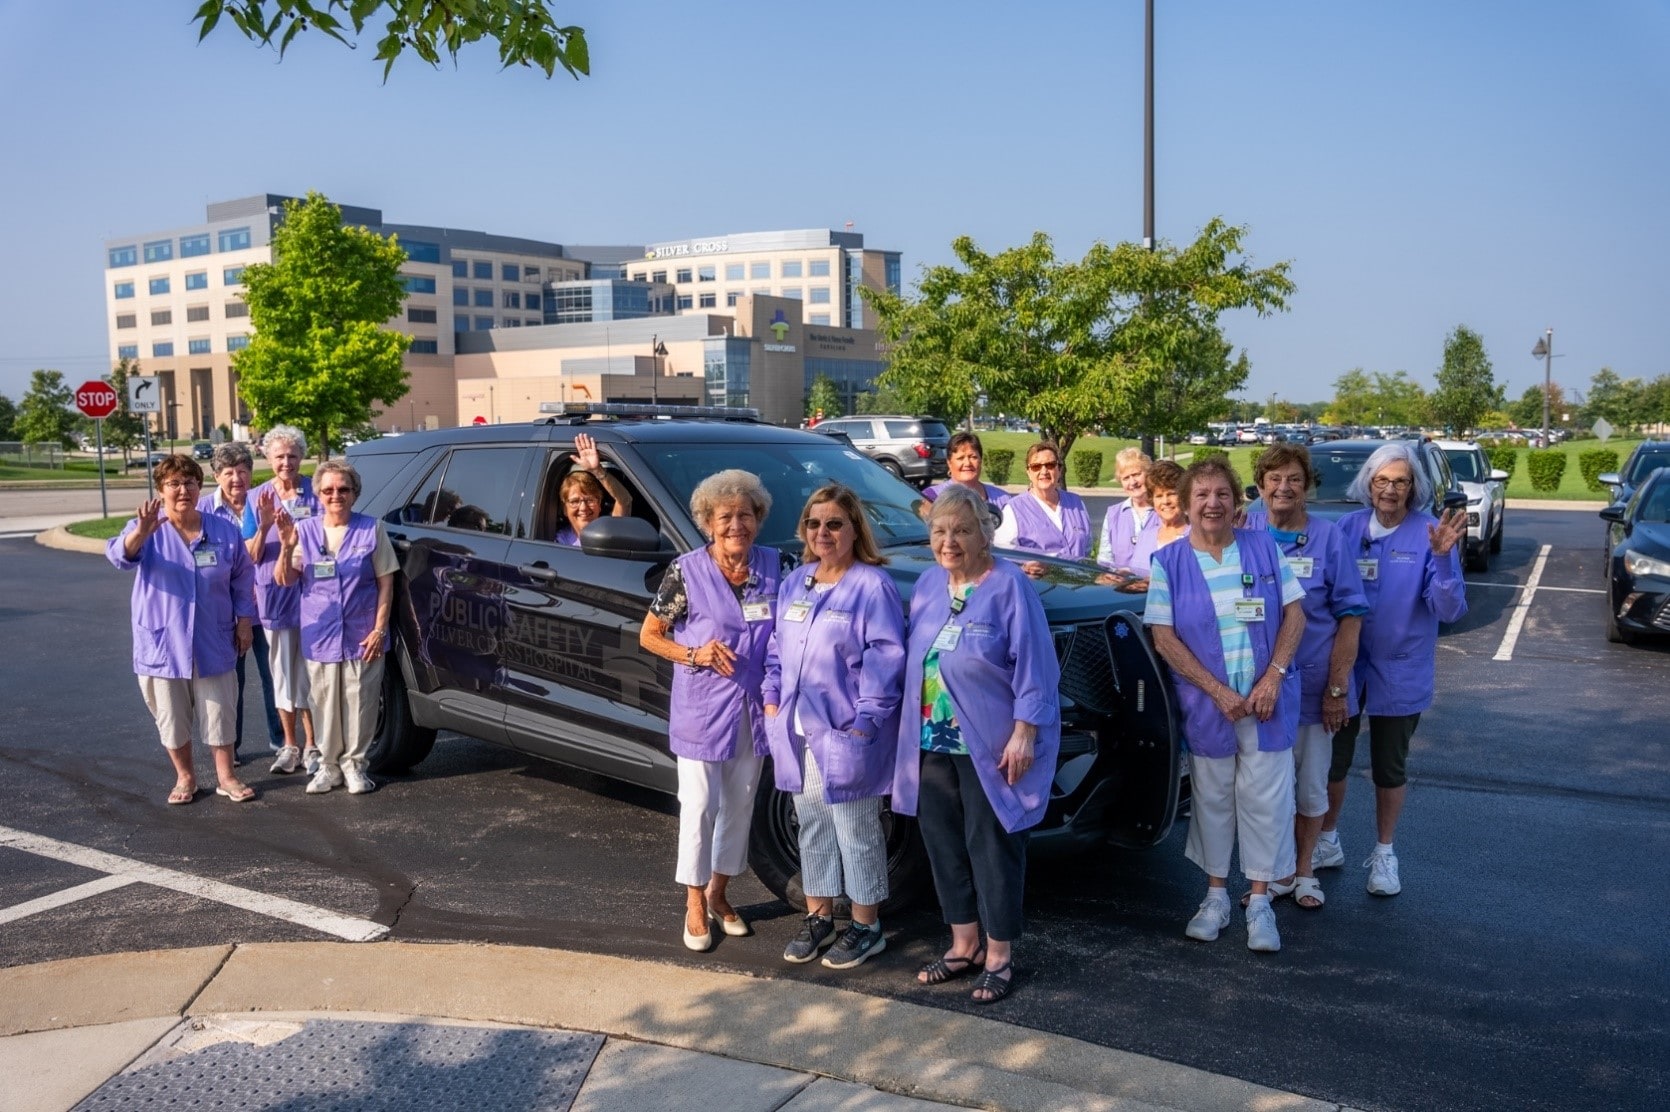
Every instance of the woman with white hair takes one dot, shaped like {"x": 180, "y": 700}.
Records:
{"x": 1411, "y": 571}
{"x": 1131, "y": 530}
{"x": 291, "y": 492}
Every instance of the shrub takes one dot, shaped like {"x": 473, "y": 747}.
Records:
{"x": 1252, "y": 460}
{"x": 1593, "y": 463}
{"x": 1504, "y": 456}
{"x": 1546, "y": 467}
{"x": 1087, "y": 468}
{"x": 1210, "y": 453}
{"x": 998, "y": 462}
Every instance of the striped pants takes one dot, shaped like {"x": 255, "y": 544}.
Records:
{"x": 837, "y": 839}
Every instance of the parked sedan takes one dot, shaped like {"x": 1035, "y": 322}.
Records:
{"x": 1649, "y": 455}
{"x": 1638, "y": 561}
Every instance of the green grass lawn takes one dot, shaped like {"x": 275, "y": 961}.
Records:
{"x": 99, "y": 528}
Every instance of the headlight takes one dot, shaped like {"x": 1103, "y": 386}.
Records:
{"x": 1639, "y": 563}
{"x": 1475, "y": 501}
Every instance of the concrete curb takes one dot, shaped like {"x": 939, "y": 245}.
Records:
{"x": 61, "y": 538}
{"x": 891, "y": 1045}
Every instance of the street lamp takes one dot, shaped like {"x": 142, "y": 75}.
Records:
{"x": 657, "y": 351}
{"x": 1545, "y": 351}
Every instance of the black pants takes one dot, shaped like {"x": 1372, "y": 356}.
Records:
{"x": 979, "y": 868}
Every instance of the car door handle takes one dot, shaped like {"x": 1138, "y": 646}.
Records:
{"x": 400, "y": 543}
{"x": 541, "y": 572}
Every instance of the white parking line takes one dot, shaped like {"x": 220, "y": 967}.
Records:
{"x": 1517, "y": 621}
{"x": 66, "y": 896}
{"x": 277, "y": 907}
{"x": 1540, "y": 587}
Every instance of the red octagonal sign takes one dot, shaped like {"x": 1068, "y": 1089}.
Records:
{"x": 95, "y": 398}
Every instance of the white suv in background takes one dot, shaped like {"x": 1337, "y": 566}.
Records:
{"x": 1486, "y": 489}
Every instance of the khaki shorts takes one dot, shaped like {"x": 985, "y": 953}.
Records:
{"x": 206, "y": 706}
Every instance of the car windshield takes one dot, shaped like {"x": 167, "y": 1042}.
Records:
{"x": 1465, "y": 463}
{"x": 1645, "y": 464}
{"x": 791, "y": 472}
{"x": 1335, "y": 469}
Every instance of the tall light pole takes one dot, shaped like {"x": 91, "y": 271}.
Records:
{"x": 657, "y": 350}
{"x": 1148, "y": 240}
{"x": 1545, "y": 349}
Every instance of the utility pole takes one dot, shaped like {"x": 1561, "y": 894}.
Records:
{"x": 1545, "y": 348}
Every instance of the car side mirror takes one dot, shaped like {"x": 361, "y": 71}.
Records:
{"x": 1610, "y": 478}
{"x": 1614, "y": 514}
{"x": 1497, "y": 475}
{"x": 1252, "y": 493}
{"x": 1455, "y": 500}
{"x": 629, "y": 538}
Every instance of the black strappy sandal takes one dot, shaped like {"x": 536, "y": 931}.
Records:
{"x": 989, "y": 981}
{"x": 943, "y": 969}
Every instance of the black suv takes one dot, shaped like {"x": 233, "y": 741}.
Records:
{"x": 502, "y": 634}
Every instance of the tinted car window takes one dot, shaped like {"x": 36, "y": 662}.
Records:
{"x": 473, "y": 489}
{"x": 1467, "y": 466}
{"x": 1335, "y": 470}
{"x": 898, "y": 430}
{"x": 1645, "y": 464}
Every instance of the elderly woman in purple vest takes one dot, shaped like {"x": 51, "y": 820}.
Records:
{"x": 1227, "y": 615}
{"x": 289, "y": 492}
{"x": 964, "y": 458}
{"x": 1163, "y": 482}
{"x": 582, "y": 489}
{"x": 713, "y": 617}
{"x": 1046, "y": 518}
{"x": 193, "y": 607}
{"x": 832, "y": 690}
{"x": 345, "y": 566}
{"x": 1334, "y": 607}
{"x": 1131, "y": 528}
{"x": 976, "y": 761}
{"x": 1411, "y": 571}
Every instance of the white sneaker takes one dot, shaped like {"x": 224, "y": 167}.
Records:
{"x": 1327, "y": 855}
{"x": 1261, "y": 927}
{"x": 1211, "y": 917}
{"x": 288, "y": 760}
{"x": 324, "y": 780}
{"x": 358, "y": 782}
{"x": 312, "y": 759}
{"x": 1382, "y": 874}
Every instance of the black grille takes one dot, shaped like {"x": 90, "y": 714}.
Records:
{"x": 1086, "y": 670}
{"x": 1662, "y": 618}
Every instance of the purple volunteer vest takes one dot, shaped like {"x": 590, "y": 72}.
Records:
{"x": 707, "y": 707}
{"x": 279, "y": 607}
{"x": 1195, "y": 621}
{"x": 1037, "y": 532}
{"x": 338, "y": 612}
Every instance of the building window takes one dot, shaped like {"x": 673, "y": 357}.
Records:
{"x": 198, "y": 281}
{"x": 512, "y": 322}
{"x": 791, "y": 268}
{"x": 731, "y": 299}
{"x": 759, "y": 270}
{"x": 820, "y": 295}
{"x": 685, "y": 301}
{"x": 682, "y": 274}
{"x": 237, "y": 343}
{"x": 460, "y": 295}
{"x": 530, "y": 274}
{"x": 460, "y": 268}
{"x": 425, "y": 347}
{"x": 196, "y": 313}
{"x": 510, "y": 272}
{"x": 417, "y": 283}
{"x": 234, "y": 239}
{"x": 124, "y": 290}
{"x": 127, "y": 320}
{"x": 420, "y": 316}
{"x": 708, "y": 300}
{"x": 236, "y": 309}
{"x": 819, "y": 268}
{"x": 481, "y": 270}
{"x": 531, "y": 301}
{"x": 820, "y": 318}
{"x": 161, "y": 317}
{"x": 640, "y": 276}
{"x": 233, "y": 276}
{"x": 533, "y": 323}
{"x": 159, "y": 251}
{"x": 658, "y": 276}
{"x": 791, "y": 292}
{"x": 512, "y": 299}
{"x": 162, "y": 349}
{"x": 460, "y": 323}
{"x": 484, "y": 324}
{"x": 484, "y": 299}
{"x": 159, "y": 285}
{"x": 707, "y": 273}
{"x": 128, "y": 351}
{"x": 762, "y": 292}
{"x": 422, "y": 252}
{"x": 892, "y": 273}
{"x": 124, "y": 256}
{"x": 192, "y": 246}
{"x": 733, "y": 272}
{"x": 197, "y": 347}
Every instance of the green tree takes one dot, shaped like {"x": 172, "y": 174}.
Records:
{"x": 1466, "y": 385}
{"x": 525, "y": 31}
{"x": 1527, "y": 411}
{"x": 879, "y": 400}
{"x": 1615, "y": 398}
{"x": 824, "y": 398}
{"x": 123, "y": 429}
{"x": 1655, "y": 401}
{"x": 1125, "y": 338}
{"x": 1400, "y": 400}
{"x": 1281, "y": 412}
{"x": 320, "y": 357}
{"x": 1353, "y": 402}
{"x": 44, "y": 416}
{"x": 8, "y": 418}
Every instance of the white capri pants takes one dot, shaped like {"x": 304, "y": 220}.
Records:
{"x": 345, "y": 699}
{"x": 290, "y": 681}
{"x": 206, "y": 705}
{"x": 1248, "y": 797}
{"x": 839, "y": 839}
{"x": 715, "y": 810}
{"x": 1312, "y": 753}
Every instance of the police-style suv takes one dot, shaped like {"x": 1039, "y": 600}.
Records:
{"x": 505, "y": 635}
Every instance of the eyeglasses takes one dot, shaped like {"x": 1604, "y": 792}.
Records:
{"x": 1044, "y": 465}
{"x": 181, "y": 484}
{"x": 335, "y": 492}
{"x": 582, "y": 503}
{"x": 831, "y": 524}
{"x": 1392, "y": 484}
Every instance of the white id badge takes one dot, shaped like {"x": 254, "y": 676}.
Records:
{"x": 205, "y": 557}
{"x": 1249, "y": 609}
{"x": 297, "y": 509}
{"x": 797, "y": 611}
{"x": 1368, "y": 569}
{"x": 756, "y": 611}
{"x": 324, "y": 569}
{"x": 949, "y": 635}
{"x": 1303, "y": 566}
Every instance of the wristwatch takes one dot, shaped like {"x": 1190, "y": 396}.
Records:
{"x": 1335, "y": 691}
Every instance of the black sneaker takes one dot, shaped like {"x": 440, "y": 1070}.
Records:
{"x": 814, "y": 935}
{"x": 856, "y": 943}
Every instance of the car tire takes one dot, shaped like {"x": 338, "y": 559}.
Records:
{"x": 1478, "y": 556}
{"x": 1616, "y": 633}
{"x": 399, "y": 742}
{"x": 1501, "y": 527}
{"x": 898, "y": 472}
{"x": 774, "y": 851}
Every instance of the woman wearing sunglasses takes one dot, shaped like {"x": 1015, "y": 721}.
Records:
{"x": 1046, "y": 518}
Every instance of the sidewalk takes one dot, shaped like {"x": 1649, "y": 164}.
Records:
{"x": 443, "y": 1026}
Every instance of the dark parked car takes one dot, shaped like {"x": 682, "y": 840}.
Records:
{"x": 1638, "y": 560}
{"x": 1337, "y": 462}
{"x": 202, "y": 449}
{"x": 913, "y": 448}
{"x": 1649, "y": 455}
{"x": 502, "y": 634}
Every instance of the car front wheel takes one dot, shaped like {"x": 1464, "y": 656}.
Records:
{"x": 399, "y": 742}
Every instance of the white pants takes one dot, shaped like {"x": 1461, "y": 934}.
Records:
{"x": 1312, "y": 753}
{"x": 284, "y": 656}
{"x": 345, "y": 697}
{"x": 715, "y": 809}
{"x": 1248, "y": 796}
{"x": 207, "y": 705}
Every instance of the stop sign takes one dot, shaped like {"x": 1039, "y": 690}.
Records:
{"x": 95, "y": 398}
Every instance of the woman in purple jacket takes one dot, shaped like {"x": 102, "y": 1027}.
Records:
{"x": 1131, "y": 528}
{"x": 193, "y": 606}
{"x": 976, "y": 760}
{"x": 832, "y": 685}
{"x": 1411, "y": 572}
{"x": 713, "y": 617}
{"x": 581, "y": 491}
{"x": 965, "y": 458}
{"x": 291, "y": 493}
{"x": 1047, "y": 518}
{"x": 1226, "y": 614}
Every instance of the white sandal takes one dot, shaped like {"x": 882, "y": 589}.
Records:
{"x": 1308, "y": 886}
{"x": 1277, "y": 889}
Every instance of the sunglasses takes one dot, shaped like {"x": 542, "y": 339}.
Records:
{"x": 1050, "y": 465}
{"x": 832, "y": 524}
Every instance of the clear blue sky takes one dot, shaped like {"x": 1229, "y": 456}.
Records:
{"x": 1423, "y": 164}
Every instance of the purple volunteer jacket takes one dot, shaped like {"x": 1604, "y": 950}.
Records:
{"x": 213, "y": 503}
{"x": 841, "y": 666}
{"x": 1125, "y": 544}
{"x": 1195, "y": 621}
{"x": 997, "y": 496}
{"x": 1410, "y": 593}
{"x": 567, "y": 535}
{"x": 1038, "y": 533}
{"x": 707, "y": 707}
{"x": 184, "y": 612}
{"x": 337, "y": 610}
{"x": 1003, "y": 670}
{"x": 1332, "y": 588}
{"x": 280, "y": 606}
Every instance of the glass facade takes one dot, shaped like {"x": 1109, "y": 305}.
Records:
{"x": 726, "y": 367}
{"x": 192, "y": 246}
{"x": 124, "y": 256}
{"x": 234, "y": 239}
{"x": 852, "y": 377}
{"x": 198, "y": 280}
{"x": 892, "y": 274}
{"x": 124, "y": 290}
{"x": 420, "y": 252}
{"x": 159, "y": 251}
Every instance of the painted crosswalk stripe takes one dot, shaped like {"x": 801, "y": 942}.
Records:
{"x": 277, "y": 907}
{"x": 1517, "y": 621}
{"x": 66, "y": 896}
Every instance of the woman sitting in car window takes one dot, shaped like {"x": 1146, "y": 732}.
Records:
{"x": 581, "y": 492}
